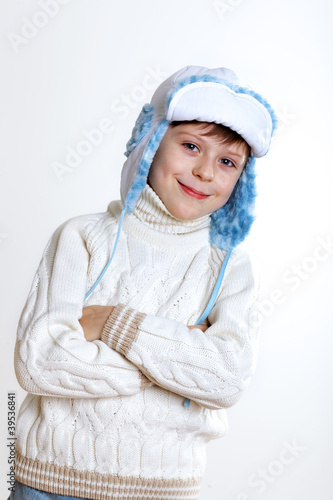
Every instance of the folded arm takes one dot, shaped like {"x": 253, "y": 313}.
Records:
{"x": 211, "y": 367}
{"x": 52, "y": 356}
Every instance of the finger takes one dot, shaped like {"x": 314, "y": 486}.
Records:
{"x": 201, "y": 327}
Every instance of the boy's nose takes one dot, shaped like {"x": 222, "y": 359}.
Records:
{"x": 204, "y": 170}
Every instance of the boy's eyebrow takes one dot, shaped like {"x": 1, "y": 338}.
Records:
{"x": 237, "y": 154}
{"x": 191, "y": 134}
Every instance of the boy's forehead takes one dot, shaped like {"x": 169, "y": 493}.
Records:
{"x": 190, "y": 129}
{"x": 207, "y": 130}
{"x": 202, "y": 127}
{"x": 196, "y": 128}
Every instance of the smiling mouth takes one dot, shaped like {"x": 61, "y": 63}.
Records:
{"x": 192, "y": 192}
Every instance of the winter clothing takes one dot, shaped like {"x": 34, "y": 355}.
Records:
{"x": 106, "y": 419}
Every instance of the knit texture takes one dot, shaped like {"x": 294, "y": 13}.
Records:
{"x": 106, "y": 419}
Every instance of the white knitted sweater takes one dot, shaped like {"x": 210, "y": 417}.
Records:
{"x": 106, "y": 419}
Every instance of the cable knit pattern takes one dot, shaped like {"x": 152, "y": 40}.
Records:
{"x": 106, "y": 419}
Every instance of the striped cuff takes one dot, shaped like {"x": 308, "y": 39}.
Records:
{"x": 121, "y": 328}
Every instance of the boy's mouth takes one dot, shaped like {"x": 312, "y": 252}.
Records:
{"x": 193, "y": 192}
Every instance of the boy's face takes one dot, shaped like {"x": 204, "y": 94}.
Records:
{"x": 193, "y": 173}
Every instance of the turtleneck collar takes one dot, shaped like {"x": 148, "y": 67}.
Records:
{"x": 151, "y": 210}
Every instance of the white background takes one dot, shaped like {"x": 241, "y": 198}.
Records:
{"x": 72, "y": 73}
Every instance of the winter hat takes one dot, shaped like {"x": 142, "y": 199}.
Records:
{"x": 209, "y": 95}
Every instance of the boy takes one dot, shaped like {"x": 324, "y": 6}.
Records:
{"x": 129, "y": 371}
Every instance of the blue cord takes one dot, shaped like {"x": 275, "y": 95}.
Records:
{"x": 212, "y": 301}
{"x": 216, "y": 290}
{"x": 113, "y": 252}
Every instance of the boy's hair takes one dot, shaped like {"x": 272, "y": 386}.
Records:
{"x": 224, "y": 134}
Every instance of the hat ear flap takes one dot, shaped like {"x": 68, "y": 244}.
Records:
{"x": 231, "y": 223}
{"x": 141, "y": 127}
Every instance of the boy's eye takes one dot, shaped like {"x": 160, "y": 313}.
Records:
{"x": 190, "y": 146}
{"x": 227, "y": 162}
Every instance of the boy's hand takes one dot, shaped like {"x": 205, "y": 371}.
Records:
{"x": 93, "y": 320}
{"x": 202, "y": 327}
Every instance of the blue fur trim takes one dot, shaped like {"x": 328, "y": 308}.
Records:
{"x": 141, "y": 127}
{"x": 231, "y": 223}
{"x": 146, "y": 160}
{"x": 236, "y": 88}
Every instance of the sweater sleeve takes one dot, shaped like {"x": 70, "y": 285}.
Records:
{"x": 52, "y": 356}
{"x": 213, "y": 367}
